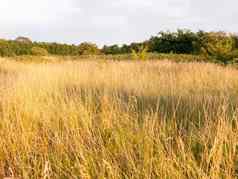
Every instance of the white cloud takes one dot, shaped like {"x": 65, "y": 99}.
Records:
{"x": 111, "y": 21}
{"x": 33, "y": 11}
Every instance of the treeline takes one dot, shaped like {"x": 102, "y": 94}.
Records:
{"x": 215, "y": 45}
{"x": 179, "y": 42}
{"x": 24, "y": 46}
{"x": 218, "y": 47}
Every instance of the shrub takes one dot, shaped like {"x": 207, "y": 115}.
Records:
{"x": 5, "y": 49}
{"x": 87, "y": 48}
{"x": 39, "y": 51}
{"x": 220, "y": 47}
{"x": 6, "y": 52}
{"x": 141, "y": 54}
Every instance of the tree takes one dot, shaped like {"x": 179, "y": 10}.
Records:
{"x": 125, "y": 49}
{"x": 220, "y": 47}
{"x": 113, "y": 49}
{"x": 235, "y": 38}
{"x": 181, "y": 42}
{"x": 87, "y": 48}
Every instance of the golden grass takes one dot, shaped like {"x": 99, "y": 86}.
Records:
{"x": 98, "y": 119}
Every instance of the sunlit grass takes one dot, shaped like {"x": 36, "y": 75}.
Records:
{"x": 105, "y": 119}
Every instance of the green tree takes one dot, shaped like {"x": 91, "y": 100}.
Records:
{"x": 87, "y": 48}
{"x": 220, "y": 47}
{"x": 113, "y": 49}
{"x": 181, "y": 42}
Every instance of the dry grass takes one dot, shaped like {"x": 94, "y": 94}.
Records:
{"x": 97, "y": 119}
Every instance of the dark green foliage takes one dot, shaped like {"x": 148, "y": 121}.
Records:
{"x": 113, "y": 49}
{"x": 214, "y": 46}
{"x": 221, "y": 47}
{"x": 124, "y": 49}
{"x": 180, "y": 42}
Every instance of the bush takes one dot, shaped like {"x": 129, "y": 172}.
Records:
{"x": 6, "y": 52}
{"x": 88, "y": 49}
{"x": 39, "y": 51}
{"x": 220, "y": 47}
{"x": 141, "y": 54}
{"x": 5, "y": 49}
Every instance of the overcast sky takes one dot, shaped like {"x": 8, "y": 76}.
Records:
{"x": 111, "y": 21}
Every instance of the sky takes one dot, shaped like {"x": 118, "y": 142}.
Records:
{"x": 111, "y": 21}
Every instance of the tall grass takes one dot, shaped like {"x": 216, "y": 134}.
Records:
{"x": 141, "y": 55}
{"x": 98, "y": 119}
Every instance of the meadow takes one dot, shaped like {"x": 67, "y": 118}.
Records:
{"x": 118, "y": 119}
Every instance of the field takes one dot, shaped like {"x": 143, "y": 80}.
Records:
{"x": 118, "y": 119}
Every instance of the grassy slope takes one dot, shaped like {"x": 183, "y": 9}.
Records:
{"x": 118, "y": 120}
